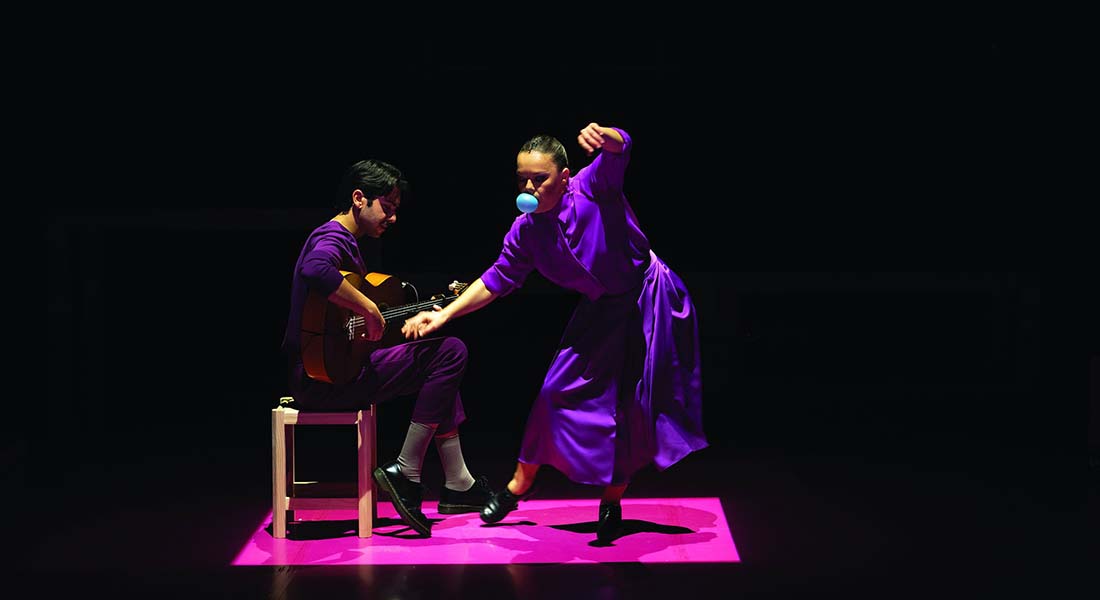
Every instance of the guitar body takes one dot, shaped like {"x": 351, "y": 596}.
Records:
{"x": 333, "y": 338}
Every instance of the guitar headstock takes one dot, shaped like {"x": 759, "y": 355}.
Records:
{"x": 457, "y": 287}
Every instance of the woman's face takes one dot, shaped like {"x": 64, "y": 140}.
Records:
{"x": 537, "y": 175}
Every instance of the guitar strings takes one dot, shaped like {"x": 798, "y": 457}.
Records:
{"x": 388, "y": 314}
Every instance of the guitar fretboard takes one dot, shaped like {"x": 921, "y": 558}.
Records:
{"x": 406, "y": 309}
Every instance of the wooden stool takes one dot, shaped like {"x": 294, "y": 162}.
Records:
{"x": 289, "y": 495}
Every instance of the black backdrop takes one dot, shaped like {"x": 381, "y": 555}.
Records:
{"x": 825, "y": 193}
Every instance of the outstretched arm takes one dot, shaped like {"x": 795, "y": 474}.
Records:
{"x": 425, "y": 323}
{"x": 594, "y": 137}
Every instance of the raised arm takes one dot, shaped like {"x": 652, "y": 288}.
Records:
{"x": 595, "y": 137}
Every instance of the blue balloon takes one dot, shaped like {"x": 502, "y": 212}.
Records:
{"x": 526, "y": 202}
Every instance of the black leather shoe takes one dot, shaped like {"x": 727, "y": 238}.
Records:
{"x": 472, "y": 500}
{"x": 406, "y": 496}
{"x": 502, "y": 503}
{"x": 611, "y": 517}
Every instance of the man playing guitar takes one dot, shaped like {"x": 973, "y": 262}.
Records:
{"x": 333, "y": 366}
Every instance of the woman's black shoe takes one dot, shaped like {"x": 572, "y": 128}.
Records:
{"x": 611, "y": 517}
{"x": 502, "y": 503}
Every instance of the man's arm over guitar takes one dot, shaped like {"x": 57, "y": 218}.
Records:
{"x": 321, "y": 271}
{"x": 346, "y": 296}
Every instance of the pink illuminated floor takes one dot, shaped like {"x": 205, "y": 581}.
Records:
{"x": 654, "y": 530}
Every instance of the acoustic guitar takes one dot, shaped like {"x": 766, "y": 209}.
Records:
{"x": 334, "y": 342}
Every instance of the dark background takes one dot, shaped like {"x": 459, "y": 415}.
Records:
{"x": 835, "y": 197}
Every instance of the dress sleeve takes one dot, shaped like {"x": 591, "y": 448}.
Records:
{"x": 513, "y": 265}
{"x": 604, "y": 176}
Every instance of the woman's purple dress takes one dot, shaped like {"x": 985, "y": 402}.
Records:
{"x": 624, "y": 388}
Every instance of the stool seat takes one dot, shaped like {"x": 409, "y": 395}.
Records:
{"x": 289, "y": 495}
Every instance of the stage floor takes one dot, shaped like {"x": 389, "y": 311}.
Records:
{"x": 654, "y": 530}
{"x": 888, "y": 525}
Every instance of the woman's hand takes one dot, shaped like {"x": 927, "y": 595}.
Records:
{"x": 594, "y": 137}
{"x": 423, "y": 323}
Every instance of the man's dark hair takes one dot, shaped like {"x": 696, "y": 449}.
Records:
{"x": 372, "y": 177}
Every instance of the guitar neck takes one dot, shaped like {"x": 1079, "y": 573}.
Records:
{"x": 405, "y": 310}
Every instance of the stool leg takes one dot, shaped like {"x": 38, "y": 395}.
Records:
{"x": 291, "y": 470}
{"x": 367, "y": 498}
{"x": 373, "y": 448}
{"x": 278, "y": 473}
